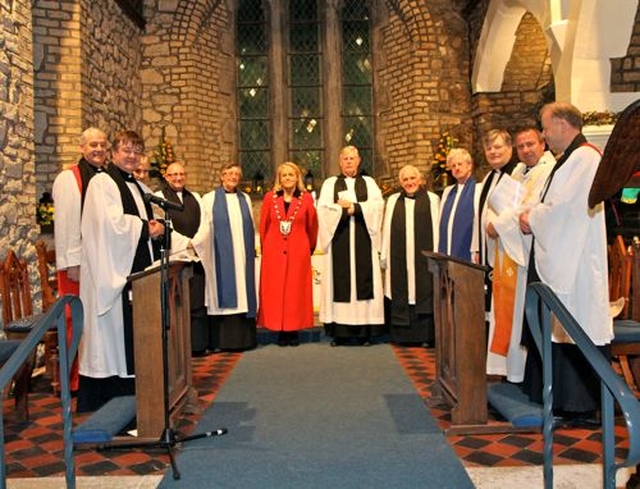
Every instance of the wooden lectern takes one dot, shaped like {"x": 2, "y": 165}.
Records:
{"x": 461, "y": 342}
{"x": 147, "y": 320}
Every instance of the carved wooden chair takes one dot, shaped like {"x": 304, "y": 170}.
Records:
{"x": 49, "y": 288}
{"x": 624, "y": 281}
{"x": 15, "y": 292}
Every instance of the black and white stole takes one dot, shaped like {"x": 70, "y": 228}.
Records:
{"x": 340, "y": 246}
{"x": 423, "y": 241}
{"x": 142, "y": 258}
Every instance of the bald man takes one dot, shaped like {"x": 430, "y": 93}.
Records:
{"x": 186, "y": 223}
{"x": 69, "y": 190}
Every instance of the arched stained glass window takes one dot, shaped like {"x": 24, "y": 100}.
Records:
{"x": 304, "y": 83}
{"x": 254, "y": 141}
{"x": 357, "y": 76}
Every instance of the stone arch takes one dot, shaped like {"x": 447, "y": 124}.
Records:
{"x": 581, "y": 37}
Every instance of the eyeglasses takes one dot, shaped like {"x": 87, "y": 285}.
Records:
{"x": 176, "y": 174}
{"x": 130, "y": 151}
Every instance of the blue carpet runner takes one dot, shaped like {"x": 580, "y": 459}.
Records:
{"x": 319, "y": 417}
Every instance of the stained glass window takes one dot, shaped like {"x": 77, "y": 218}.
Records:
{"x": 288, "y": 43}
{"x": 254, "y": 142}
{"x": 305, "y": 84}
{"x": 357, "y": 81}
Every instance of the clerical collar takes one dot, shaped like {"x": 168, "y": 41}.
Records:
{"x": 93, "y": 169}
{"x": 128, "y": 177}
{"x": 413, "y": 197}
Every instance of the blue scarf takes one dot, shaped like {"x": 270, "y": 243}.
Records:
{"x": 462, "y": 221}
{"x": 223, "y": 249}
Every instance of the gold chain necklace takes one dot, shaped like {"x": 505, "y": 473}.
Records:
{"x": 285, "y": 224}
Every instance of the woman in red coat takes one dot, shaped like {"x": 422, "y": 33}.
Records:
{"x": 288, "y": 232}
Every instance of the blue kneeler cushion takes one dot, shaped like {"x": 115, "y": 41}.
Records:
{"x": 107, "y": 421}
{"x": 626, "y": 331}
{"x": 514, "y": 405}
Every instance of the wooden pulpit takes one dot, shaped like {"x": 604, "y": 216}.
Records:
{"x": 147, "y": 320}
{"x": 458, "y": 289}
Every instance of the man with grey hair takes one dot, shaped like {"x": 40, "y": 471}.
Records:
{"x": 69, "y": 190}
{"x": 569, "y": 254}
{"x": 350, "y": 212}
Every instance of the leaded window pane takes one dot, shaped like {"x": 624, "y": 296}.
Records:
{"x": 306, "y": 132}
{"x": 250, "y": 11}
{"x": 358, "y": 131}
{"x": 356, "y": 69}
{"x": 254, "y": 163}
{"x": 304, "y": 38}
{"x": 253, "y": 103}
{"x": 366, "y": 160}
{"x": 254, "y": 135}
{"x": 251, "y": 39}
{"x": 305, "y": 102}
{"x": 305, "y": 69}
{"x": 252, "y": 71}
{"x": 309, "y": 160}
{"x": 355, "y": 10}
{"x": 301, "y": 10}
{"x": 356, "y": 36}
{"x": 357, "y": 100}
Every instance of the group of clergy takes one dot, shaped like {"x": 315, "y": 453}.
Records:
{"x": 544, "y": 230}
{"x": 105, "y": 222}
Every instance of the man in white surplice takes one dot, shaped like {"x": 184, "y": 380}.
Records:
{"x": 570, "y": 256}
{"x": 117, "y": 233}
{"x": 532, "y": 172}
{"x": 350, "y": 211}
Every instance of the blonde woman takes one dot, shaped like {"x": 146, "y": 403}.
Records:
{"x": 288, "y": 233}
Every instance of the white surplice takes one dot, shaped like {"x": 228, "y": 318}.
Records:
{"x": 109, "y": 241}
{"x": 517, "y": 246}
{"x": 571, "y": 246}
{"x": 354, "y": 312}
{"x": 67, "y": 199}
{"x": 203, "y": 244}
{"x": 385, "y": 258}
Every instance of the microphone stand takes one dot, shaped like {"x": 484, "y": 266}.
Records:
{"x": 168, "y": 439}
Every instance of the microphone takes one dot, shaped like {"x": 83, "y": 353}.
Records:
{"x": 163, "y": 203}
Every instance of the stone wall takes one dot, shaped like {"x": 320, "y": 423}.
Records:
{"x": 188, "y": 75}
{"x": 18, "y": 229}
{"x": 424, "y": 75}
{"x": 625, "y": 72}
{"x": 17, "y": 169}
{"x": 86, "y": 64}
{"x": 527, "y": 85}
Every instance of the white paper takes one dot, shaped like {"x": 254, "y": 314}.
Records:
{"x": 349, "y": 195}
{"x": 507, "y": 194}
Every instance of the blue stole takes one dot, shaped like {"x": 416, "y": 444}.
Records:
{"x": 223, "y": 250}
{"x": 462, "y": 221}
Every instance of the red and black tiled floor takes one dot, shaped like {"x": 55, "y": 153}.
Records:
{"x": 34, "y": 448}
{"x": 571, "y": 446}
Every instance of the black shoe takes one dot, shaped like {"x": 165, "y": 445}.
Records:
{"x": 199, "y": 353}
{"x": 588, "y": 419}
{"x": 283, "y": 339}
{"x": 294, "y": 338}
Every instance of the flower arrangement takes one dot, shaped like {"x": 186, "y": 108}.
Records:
{"x": 44, "y": 211}
{"x": 599, "y": 118}
{"x": 439, "y": 164}
{"x": 163, "y": 156}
